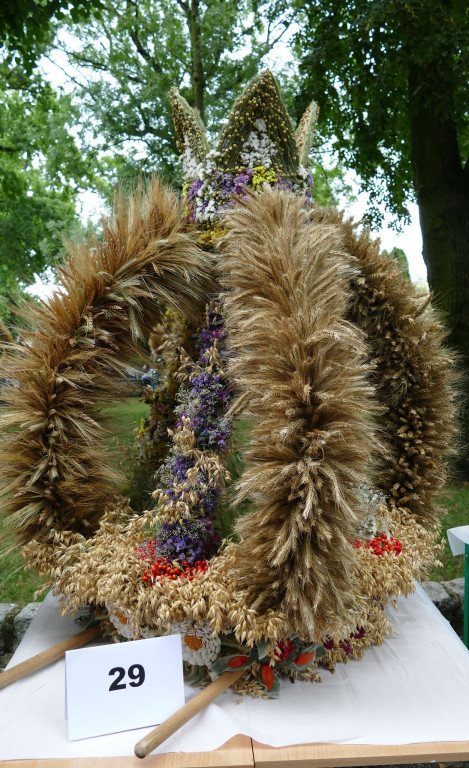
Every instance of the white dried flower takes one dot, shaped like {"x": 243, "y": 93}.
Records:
{"x": 189, "y": 161}
{"x": 373, "y": 502}
{"x": 368, "y": 527}
{"x": 303, "y": 172}
{"x": 199, "y": 644}
{"x": 148, "y": 633}
{"x": 121, "y": 621}
{"x": 258, "y": 149}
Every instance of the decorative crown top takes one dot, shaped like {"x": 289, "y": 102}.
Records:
{"x": 258, "y": 144}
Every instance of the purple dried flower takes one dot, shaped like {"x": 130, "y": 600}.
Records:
{"x": 190, "y": 540}
{"x": 205, "y": 405}
{"x": 193, "y": 190}
{"x": 284, "y": 184}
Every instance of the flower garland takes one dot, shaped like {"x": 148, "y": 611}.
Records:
{"x": 214, "y": 191}
{"x": 210, "y": 190}
{"x": 193, "y": 473}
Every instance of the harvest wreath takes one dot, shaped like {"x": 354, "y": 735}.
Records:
{"x": 312, "y": 340}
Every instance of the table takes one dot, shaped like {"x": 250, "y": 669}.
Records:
{"x": 243, "y": 752}
{"x": 428, "y": 647}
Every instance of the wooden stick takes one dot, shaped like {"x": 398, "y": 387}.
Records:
{"x": 186, "y": 713}
{"x": 49, "y": 655}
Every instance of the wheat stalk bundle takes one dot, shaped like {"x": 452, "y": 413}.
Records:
{"x": 414, "y": 375}
{"x": 301, "y": 373}
{"x": 53, "y": 466}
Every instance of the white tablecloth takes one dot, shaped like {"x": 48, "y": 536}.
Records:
{"x": 414, "y": 688}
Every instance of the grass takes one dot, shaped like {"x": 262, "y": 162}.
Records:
{"x": 19, "y": 586}
{"x": 455, "y": 500}
{"x": 123, "y": 418}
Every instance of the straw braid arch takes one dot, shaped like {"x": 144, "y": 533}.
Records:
{"x": 53, "y": 461}
{"x": 5, "y": 335}
{"x": 413, "y": 373}
{"x": 336, "y": 362}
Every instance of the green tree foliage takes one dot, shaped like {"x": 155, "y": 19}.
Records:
{"x": 125, "y": 63}
{"x": 41, "y": 171}
{"x": 357, "y": 58}
{"x": 391, "y": 77}
{"x": 25, "y": 25}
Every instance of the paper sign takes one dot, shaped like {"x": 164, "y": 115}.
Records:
{"x": 457, "y": 538}
{"x": 121, "y": 686}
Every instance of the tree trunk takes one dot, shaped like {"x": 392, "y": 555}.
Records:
{"x": 197, "y": 69}
{"x": 442, "y": 189}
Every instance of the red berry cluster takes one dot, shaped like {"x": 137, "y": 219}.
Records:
{"x": 147, "y": 550}
{"x": 163, "y": 568}
{"x": 380, "y": 544}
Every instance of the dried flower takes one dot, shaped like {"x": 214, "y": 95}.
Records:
{"x": 200, "y": 646}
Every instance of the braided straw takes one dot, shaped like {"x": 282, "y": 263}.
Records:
{"x": 53, "y": 468}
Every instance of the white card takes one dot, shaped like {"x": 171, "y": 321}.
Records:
{"x": 458, "y": 538}
{"x": 121, "y": 686}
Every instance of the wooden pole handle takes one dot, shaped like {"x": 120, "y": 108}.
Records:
{"x": 49, "y": 655}
{"x": 162, "y": 732}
